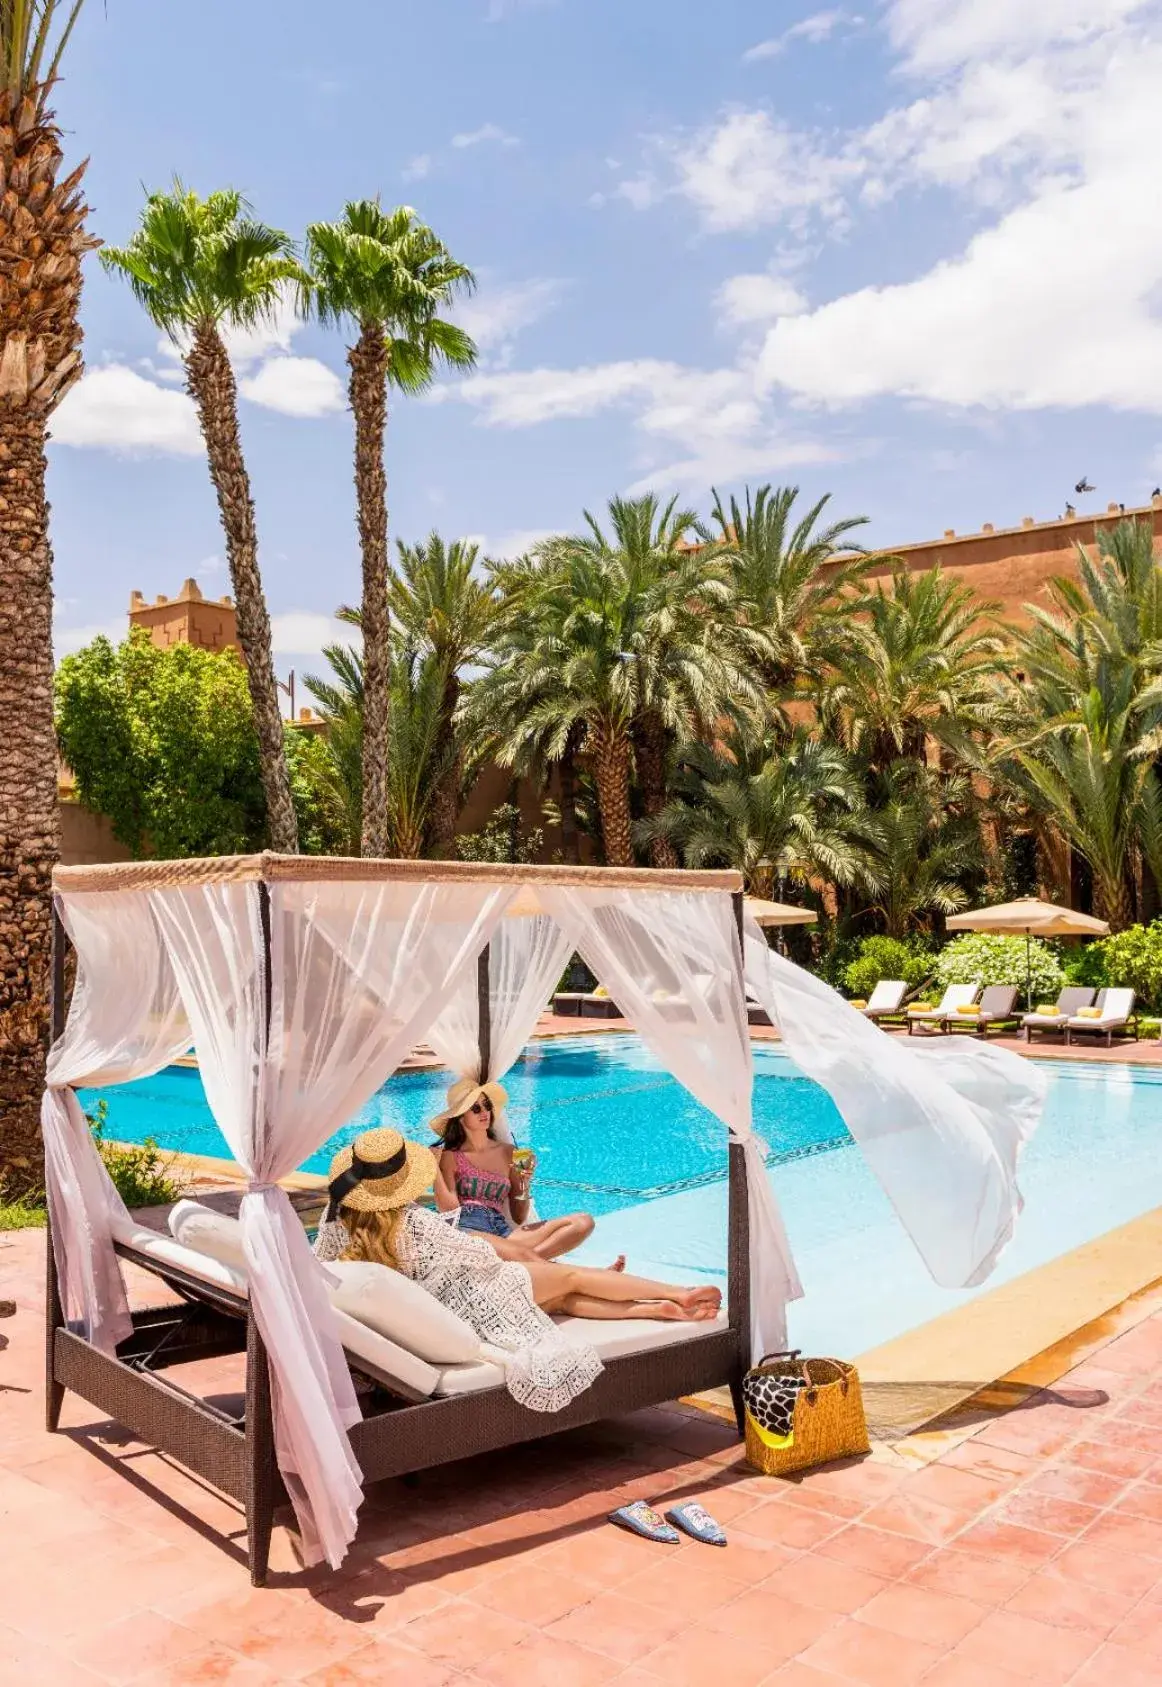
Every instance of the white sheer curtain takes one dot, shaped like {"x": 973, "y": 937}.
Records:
{"x": 671, "y": 959}
{"x": 941, "y": 1124}
{"x": 357, "y": 969}
{"x": 115, "y": 1032}
{"x": 526, "y": 957}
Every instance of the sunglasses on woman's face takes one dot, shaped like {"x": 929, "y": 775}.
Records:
{"x": 480, "y": 1106}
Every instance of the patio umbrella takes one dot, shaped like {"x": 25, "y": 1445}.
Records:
{"x": 1033, "y": 917}
{"x": 778, "y": 913}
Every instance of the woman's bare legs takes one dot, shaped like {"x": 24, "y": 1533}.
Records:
{"x": 552, "y": 1237}
{"x": 553, "y": 1283}
{"x": 589, "y": 1306}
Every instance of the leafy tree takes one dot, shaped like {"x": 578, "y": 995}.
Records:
{"x": 1130, "y": 958}
{"x": 387, "y": 276}
{"x": 163, "y": 742}
{"x": 43, "y": 239}
{"x": 922, "y": 836}
{"x": 196, "y": 266}
{"x": 773, "y": 810}
{"x": 786, "y": 574}
{"x": 503, "y": 838}
{"x": 879, "y": 957}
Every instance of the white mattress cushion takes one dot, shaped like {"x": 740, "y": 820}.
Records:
{"x": 391, "y": 1303}
{"x": 386, "y": 1356}
{"x": 382, "y": 1299}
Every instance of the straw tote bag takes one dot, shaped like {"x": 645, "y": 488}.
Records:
{"x": 802, "y": 1412}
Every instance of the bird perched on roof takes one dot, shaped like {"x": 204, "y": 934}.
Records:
{"x": 1157, "y": 492}
{"x": 1084, "y": 486}
{"x": 1069, "y": 510}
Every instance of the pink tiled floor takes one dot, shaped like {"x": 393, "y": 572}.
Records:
{"x": 1030, "y": 1552}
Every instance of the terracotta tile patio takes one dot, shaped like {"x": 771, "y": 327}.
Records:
{"x": 1030, "y": 1550}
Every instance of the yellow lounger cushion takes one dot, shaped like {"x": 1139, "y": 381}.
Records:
{"x": 857, "y": 1002}
{"x": 966, "y": 1013}
{"x": 1046, "y": 1010}
{"x": 1088, "y": 1013}
{"x": 922, "y": 1007}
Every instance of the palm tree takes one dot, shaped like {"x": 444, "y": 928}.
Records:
{"x": 772, "y": 809}
{"x": 197, "y": 265}
{"x": 387, "y": 276}
{"x": 912, "y": 662}
{"x": 43, "y": 239}
{"x": 786, "y": 574}
{"x": 628, "y": 640}
{"x": 445, "y": 609}
{"x": 923, "y": 839}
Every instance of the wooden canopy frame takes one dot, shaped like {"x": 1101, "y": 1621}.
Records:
{"x": 399, "y": 1433}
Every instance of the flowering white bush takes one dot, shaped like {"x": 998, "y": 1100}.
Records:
{"x": 979, "y": 956}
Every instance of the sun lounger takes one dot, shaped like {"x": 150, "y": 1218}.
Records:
{"x": 995, "y": 1008}
{"x": 956, "y": 996}
{"x": 1074, "y": 996}
{"x": 1115, "y": 1009}
{"x": 887, "y": 998}
{"x": 583, "y": 1004}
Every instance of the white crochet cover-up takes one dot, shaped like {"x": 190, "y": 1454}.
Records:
{"x": 542, "y": 1370}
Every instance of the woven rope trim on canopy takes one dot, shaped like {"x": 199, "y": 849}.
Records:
{"x": 313, "y": 869}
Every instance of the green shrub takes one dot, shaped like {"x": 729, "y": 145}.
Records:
{"x": 140, "y": 1173}
{"x": 888, "y": 957}
{"x": 26, "y": 1212}
{"x": 987, "y": 958}
{"x": 1132, "y": 957}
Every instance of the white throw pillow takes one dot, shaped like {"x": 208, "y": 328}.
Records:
{"x": 208, "y": 1232}
{"x": 384, "y": 1300}
{"x": 402, "y": 1311}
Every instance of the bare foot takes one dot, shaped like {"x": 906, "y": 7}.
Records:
{"x": 618, "y": 1264}
{"x": 670, "y": 1311}
{"x": 707, "y": 1297}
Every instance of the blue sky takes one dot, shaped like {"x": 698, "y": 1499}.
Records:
{"x": 907, "y": 253}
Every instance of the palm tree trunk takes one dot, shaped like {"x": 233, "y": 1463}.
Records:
{"x": 42, "y": 242}
{"x": 650, "y": 747}
{"x": 610, "y": 754}
{"x": 29, "y": 820}
{"x": 444, "y": 810}
{"x": 367, "y": 392}
{"x": 567, "y": 775}
{"x": 210, "y": 382}
{"x": 1112, "y": 901}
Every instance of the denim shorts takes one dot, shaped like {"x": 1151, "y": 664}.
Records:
{"x": 488, "y": 1221}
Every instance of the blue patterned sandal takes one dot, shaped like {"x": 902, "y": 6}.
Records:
{"x": 641, "y": 1519}
{"x": 696, "y": 1522}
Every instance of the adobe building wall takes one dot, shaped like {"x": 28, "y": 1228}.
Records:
{"x": 1013, "y": 565}
{"x": 189, "y": 618}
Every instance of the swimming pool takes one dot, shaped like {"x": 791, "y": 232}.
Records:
{"x": 615, "y": 1135}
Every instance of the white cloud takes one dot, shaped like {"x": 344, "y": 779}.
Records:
{"x": 936, "y": 35}
{"x": 67, "y": 640}
{"x": 294, "y": 386}
{"x": 749, "y": 170}
{"x": 746, "y": 299}
{"x": 248, "y": 346}
{"x": 303, "y": 632}
{"x": 639, "y": 191}
{"x": 814, "y": 29}
{"x": 116, "y": 409}
{"x": 418, "y": 167}
{"x": 488, "y": 134}
{"x": 516, "y": 543}
{"x": 494, "y": 317}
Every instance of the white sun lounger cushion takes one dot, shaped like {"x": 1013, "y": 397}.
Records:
{"x": 373, "y": 1294}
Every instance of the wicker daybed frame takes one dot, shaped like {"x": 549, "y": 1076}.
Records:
{"x": 400, "y": 1432}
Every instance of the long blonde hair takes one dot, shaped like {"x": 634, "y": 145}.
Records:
{"x": 371, "y": 1236}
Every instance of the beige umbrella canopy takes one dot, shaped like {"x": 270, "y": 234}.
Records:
{"x": 778, "y": 913}
{"x": 1032, "y": 917}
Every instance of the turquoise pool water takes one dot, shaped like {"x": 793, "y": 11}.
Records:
{"x": 618, "y": 1137}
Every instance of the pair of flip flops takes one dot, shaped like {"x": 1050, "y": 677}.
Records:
{"x": 693, "y": 1520}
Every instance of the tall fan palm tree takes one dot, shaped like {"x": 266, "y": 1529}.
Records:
{"x": 628, "y": 639}
{"x": 42, "y": 242}
{"x": 787, "y": 574}
{"x": 772, "y": 809}
{"x": 197, "y": 266}
{"x": 387, "y": 276}
{"x": 445, "y": 608}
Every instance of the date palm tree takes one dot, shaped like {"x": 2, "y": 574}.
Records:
{"x": 923, "y": 840}
{"x": 386, "y": 276}
{"x": 197, "y": 266}
{"x": 787, "y": 573}
{"x": 43, "y": 239}
{"x": 444, "y": 607}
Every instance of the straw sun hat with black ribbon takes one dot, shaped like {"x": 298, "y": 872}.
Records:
{"x": 461, "y": 1096}
{"x": 377, "y": 1173}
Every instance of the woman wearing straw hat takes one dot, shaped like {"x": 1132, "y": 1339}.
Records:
{"x": 372, "y": 1215}
{"x": 486, "y": 1182}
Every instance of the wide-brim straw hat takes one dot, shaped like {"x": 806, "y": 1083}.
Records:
{"x": 379, "y": 1171}
{"x": 461, "y": 1096}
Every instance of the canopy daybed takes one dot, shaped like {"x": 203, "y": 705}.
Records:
{"x": 302, "y": 983}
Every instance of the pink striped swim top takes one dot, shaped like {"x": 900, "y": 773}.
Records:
{"x": 486, "y": 1189}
